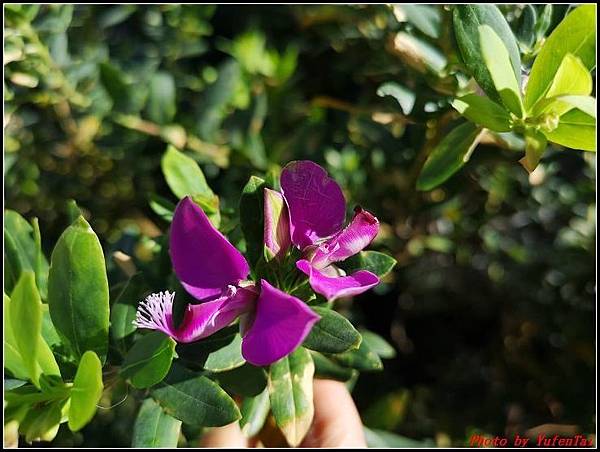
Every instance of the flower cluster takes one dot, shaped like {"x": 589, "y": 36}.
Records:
{"x": 308, "y": 216}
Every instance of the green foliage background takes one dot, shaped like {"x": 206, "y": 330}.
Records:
{"x": 491, "y": 306}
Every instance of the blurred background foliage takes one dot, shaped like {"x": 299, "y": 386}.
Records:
{"x": 491, "y": 306}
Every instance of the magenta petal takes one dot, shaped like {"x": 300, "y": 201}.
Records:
{"x": 316, "y": 202}
{"x": 340, "y": 286}
{"x": 355, "y": 237}
{"x": 202, "y": 320}
{"x": 281, "y": 324}
{"x": 204, "y": 261}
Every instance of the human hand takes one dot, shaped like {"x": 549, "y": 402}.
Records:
{"x": 336, "y": 422}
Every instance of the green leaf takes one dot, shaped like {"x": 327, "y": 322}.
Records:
{"x": 195, "y": 399}
{"x": 449, "y": 156}
{"x": 543, "y": 22}
{"x": 378, "y": 344}
{"x": 247, "y": 380}
{"x": 427, "y": 18}
{"x": 576, "y": 34}
{"x": 219, "y": 352}
{"x": 576, "y": 130}
{"x": 161, "y": 106}
{"x": 251, "y": 217}
{"x": 21, "y": 252}
{"x": 497, "y": 60}
{"x": 155, "y": 428}
{"x": 13, "y": 383}
{"x": 333, "y": 333}
{"x": 121, "y": 317}
{"x": 363, "y": 358}
{"x": 12, "y": 356}
{"x": 535, "y": 145}
{"x": 483, "y": 111}
{"x": 526, "y": 30}
{"x": 326, "y": 368}
{"x": 73, "y": 210}
{"x": 254, "y": 413}
{"x": 467, "y": 19}
{"x": 25, "y": 308}
{"x": 162, "y": 207}
{"x": 124, "y": 306}
{"x": 86, "y": 391}
{"x": 183, "y": 174}
{"x": 115, "y": 83}
{"x": 586, "y": 104}
{"x": 78, "y": 290}
{"x": 374, "y": 261}
{"x": 42, "y": 421}
{"x": 291, "y": 394}
{"x": 404, "y": 96}
{"x": 572, "y": 78}
{"x": 216, "y": 98}
{"x": 149, "y": 360}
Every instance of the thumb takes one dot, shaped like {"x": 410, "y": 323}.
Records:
{"x": 336, "y": 422}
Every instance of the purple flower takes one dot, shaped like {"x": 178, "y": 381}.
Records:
{"x": 212, "y": 270}
{"x": 316, "y": 208}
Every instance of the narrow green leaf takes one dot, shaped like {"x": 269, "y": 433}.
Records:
{"x": 576, "y": 34}
{"x": 124, "y": 305}
{"x": 404, "y": 96}
{"x": 576, "y": 130}
{"x": 364, "y": 359}
{"x": 291, "y": 394}
{"x": 466, "y": 20}
{"x": 327, "y": 368}
{"x": 183, "y": 174}
{"x": 21, "y": 252}
{"x": 12, "y": 383}
{"x": 73, "y": 210}
{"x": 543, "y": 22}
{"x": 215, "y": 99}
{"x": 251, "y": 217}
{"x": 42, "y": 421}
{"x": 26, "y": 309}
{"x": 333, "y": 333}
{"x": 526, "y": 29}
{"x": 162, "y": 207}
{"x": 41, "y": 264}
{"x": 78, "y": 290}
{"x": 246, "y": 381}
{"x": 121, "y": 317}
{"x": 161, "y": 105}
{"x": 497, "y": 60}
{"x": 86, "y": 391}
{"x": 449, "y": 156}
{"x": 219, "y": 352}
{"x": 378, "y": 344}
{"x": 254, "y": 413}
{"x": 195, "y": 399}
{"x": 13, "y": 361}
{"x": 483, "y": 111}
{"x": 155, "y": 428}
{"x": 149, "y": 360}
{"x": 427, "y": 18}
{"x": 535, "y": 145}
